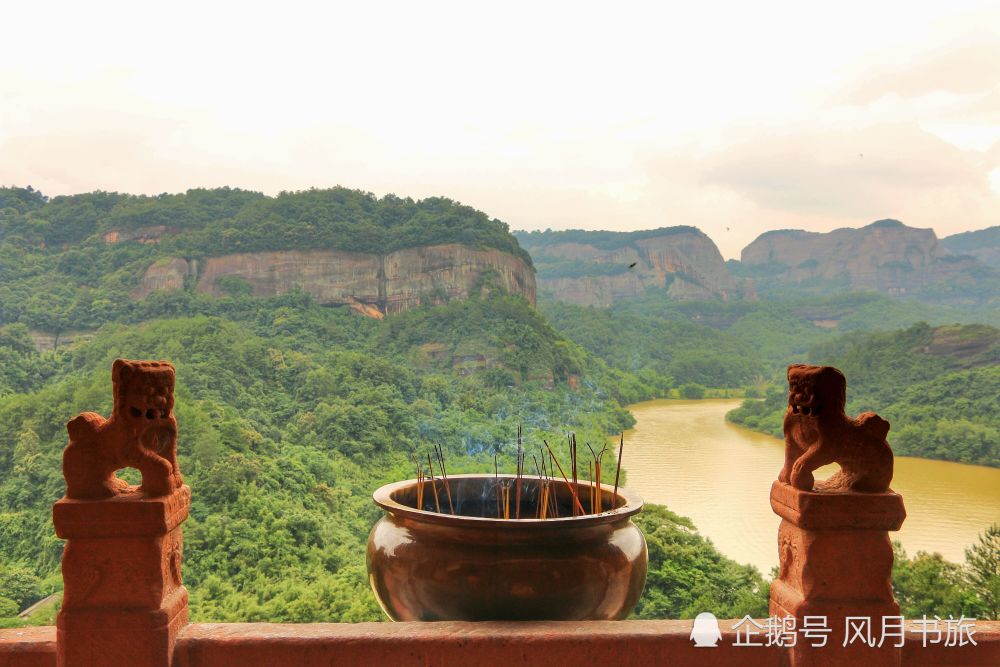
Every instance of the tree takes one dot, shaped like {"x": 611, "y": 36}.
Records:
{"x": 8, "y": 608}
{"x": 929, "y": 585}
{"x": 20, "y": 584}
{"x": 692, "y": 390}
{"x": 983, "y": 561}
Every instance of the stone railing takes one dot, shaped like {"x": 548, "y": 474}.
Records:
{"x": 124, "y": 602}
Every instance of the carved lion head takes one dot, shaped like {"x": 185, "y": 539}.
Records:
{"x": 816, "y": 390}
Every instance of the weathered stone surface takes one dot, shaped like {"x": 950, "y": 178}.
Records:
{"x": 373, "y": 285}
{"x": 151, "y": 234}
{"x": 48, "y": 342}
{"x": 633, "y": 643}
{"x": 141, "y": 433}
{"x": 123, "y": 597}
{"x": 684, "y": 261}
{"x": 834, "y": 554}
{"x": 618, "y": 643}
{"x": 124, "y": 601}
{"x": 886, "y": 255}
{"x": 328, "y": 276}
{"x": 168, "y": 273}
{"x": 28, "y": 647}
{"x": 822, "y": 510}
{"x": 818, "y": 432}
{"x": 451, "y": 270}
{"x": 835, "y": 561}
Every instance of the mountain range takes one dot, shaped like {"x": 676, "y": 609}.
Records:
{"x": 382, "y": 256}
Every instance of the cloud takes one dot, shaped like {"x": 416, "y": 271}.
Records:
{"x": 621, "y": 121}
{"x": 843, "y": 172}
{"x": 961, "y": 69}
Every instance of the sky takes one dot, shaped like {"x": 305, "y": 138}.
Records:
{"x": 733, "y": 117}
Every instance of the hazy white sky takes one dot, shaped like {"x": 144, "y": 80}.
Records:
{"x": 734, "y": 117}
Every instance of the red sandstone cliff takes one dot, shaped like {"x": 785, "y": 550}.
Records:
{"x": 374, "y": 285}
{"x": 886, "y": 255}
{"x": 681, "y": 259}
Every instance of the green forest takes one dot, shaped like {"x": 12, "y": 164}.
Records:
{"x": 291, "y": 413}
{"x": 58, "y": 273}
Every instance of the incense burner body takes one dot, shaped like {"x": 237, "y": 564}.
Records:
{"x": 425, "y": 565}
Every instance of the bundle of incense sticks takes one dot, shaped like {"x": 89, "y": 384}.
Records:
{"x": 596, "y": 500}
{"x": 507, "y": 490}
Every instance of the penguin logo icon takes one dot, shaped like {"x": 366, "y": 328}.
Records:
{"x": 705, "y": 633}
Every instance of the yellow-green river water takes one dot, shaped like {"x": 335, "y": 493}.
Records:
{"x": 685, "y": 455}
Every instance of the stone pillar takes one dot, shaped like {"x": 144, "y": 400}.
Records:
{"x": 836, "y": 562}
{"x": 123, "y": 599}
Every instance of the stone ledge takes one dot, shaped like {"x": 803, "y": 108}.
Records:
{"x": 818, "y": 510}
{"x": 28, "y": 647}
{"x": 542, "y": 643}
{"x": 129, "y": 515}
{"x": 549, "y": 643}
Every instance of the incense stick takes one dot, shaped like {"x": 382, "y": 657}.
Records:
{"x": 520, "y": 473}
{"x": 572, "y": 489}
{"x": 444, "y": 476}
{"x": 621, "y": 446}
{"x": 420, "y": 488}
{"x": 572, "y": 454}
{"x": 434, "y": 485}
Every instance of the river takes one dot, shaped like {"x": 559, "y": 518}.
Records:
{"x": 685, "y": 455}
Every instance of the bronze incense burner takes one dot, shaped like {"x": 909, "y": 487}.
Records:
{"x": 428, "y": 565}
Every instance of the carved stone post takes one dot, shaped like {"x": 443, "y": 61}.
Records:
{"x": 833, "y": 543}
{"x": 123, "y": 600}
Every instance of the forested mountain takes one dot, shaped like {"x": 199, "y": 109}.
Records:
{"x": 226, "y": 220}
{"x": 885, "y": 256}
{"x": 736, "y": 344}
{"x": 604, "y": 268}
{"x": 77, "y": 262}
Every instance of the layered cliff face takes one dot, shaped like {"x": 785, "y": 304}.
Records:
{"x": 886, "y": 256}
{"x": 602, "y": 268}
{"x": 374, "y": 285}
{"x": 168, "y": 273}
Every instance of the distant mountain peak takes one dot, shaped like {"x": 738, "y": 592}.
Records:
{"x": 886, "y": 255}
{"x": 600, "y": 268}
{"x": 885, "y": 223}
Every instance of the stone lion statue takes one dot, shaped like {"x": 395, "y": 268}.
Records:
{"x": 141, "y": 433}
{"x": 818, "y": 432}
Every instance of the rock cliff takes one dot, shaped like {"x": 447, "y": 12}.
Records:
{"x": 886, "y": 256}
{"x": 601, "y": 268}
{"x": 374, "y": 285}
{"x": 983, "y": 244}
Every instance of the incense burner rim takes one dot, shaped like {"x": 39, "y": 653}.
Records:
{"x": 384, "y": 498}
